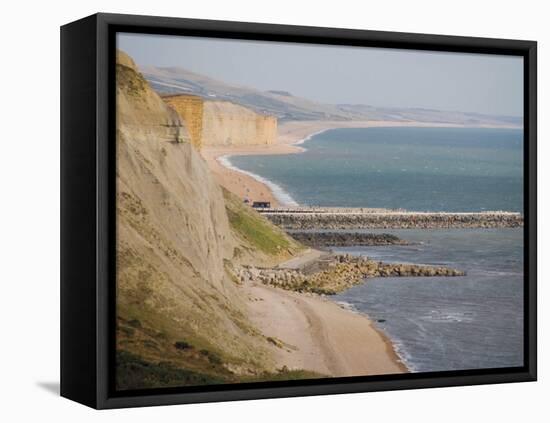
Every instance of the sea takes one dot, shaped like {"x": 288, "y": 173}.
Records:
{"x": 458, "y": 323}
{"x": 435, "y": 324}
{"x": 417, "y": 169}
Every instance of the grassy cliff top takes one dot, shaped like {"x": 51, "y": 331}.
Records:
{"x": 257, "y": 232}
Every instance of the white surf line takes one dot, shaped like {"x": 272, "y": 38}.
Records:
{"x": 280, "y": 194}
{"x": 310, "y": 136}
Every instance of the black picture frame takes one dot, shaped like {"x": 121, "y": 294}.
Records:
{"x": 87, "y": 209}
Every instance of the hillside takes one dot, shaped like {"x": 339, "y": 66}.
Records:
{"x": 279, "y": 104}
{"x": 181, "y": 318}
{"x": 287, "y": 107}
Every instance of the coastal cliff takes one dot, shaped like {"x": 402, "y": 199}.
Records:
{"x": 222, "y": 123}
{"x": 226, "y": 123}
{"x": 190, "y": 109}
{"x": 177, "y": 300}
{"x": 185, "y": 314}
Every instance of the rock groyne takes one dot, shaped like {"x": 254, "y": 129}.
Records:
{"x": 345, "y": 239}
{"x": 304, "y": 219}
{"x": 337, "y": 274}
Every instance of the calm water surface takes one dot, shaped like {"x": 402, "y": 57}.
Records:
{"x": 436, "y": 169}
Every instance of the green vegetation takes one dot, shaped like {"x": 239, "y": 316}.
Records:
{"x": 135, "y": 373}
{"x": 212, "y": 357}
{"x": 156, "y": 361}
{"x": 256, "y": 230}
{"x": 286, "y": 374}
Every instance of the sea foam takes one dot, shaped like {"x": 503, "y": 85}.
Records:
{"x": 280, "y": 194}
{"x": 310, "y": 136}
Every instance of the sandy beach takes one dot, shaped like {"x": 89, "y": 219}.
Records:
{"x": 317, "y": 334}
{"x": 311, "y": 332}
{"x": 289, "y": 137}
{"x": 240, "y": 183}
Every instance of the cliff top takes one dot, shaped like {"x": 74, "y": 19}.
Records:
{"x": 125, "y": 60}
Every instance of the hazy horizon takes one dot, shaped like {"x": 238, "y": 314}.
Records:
{"x": 476, "y": 83}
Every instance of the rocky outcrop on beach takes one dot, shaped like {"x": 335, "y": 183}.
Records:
{"x": 222, "y": 123}
{"x": 350, "y": 219}
{"x": 346, "y": 239}
{"x": 338, "y": 273}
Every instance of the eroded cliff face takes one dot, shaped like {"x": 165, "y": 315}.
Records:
{"x": 226, "y": 123}
{"x": 175, "y": 295}
{"x": 222, "y": 123}
{"x": 190, "y": 108}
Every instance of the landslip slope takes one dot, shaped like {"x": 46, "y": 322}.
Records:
{"x": 180, "y": 316}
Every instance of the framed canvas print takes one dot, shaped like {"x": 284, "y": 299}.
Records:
{"x": 257, "y": 211}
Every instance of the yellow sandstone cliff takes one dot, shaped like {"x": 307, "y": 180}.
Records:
{"x": 222, "y": 123}
{"x": 190, "y": 108}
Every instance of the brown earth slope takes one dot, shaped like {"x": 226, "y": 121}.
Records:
{"x": 180, "y": 317}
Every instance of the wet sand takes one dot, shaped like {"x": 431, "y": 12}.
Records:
{"x": 314, "y": 333}
{"x": 240, "y": 183}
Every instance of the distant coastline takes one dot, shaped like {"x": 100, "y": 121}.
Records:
{"x": 283, "y": 198}
{"x": 291, "y": 135}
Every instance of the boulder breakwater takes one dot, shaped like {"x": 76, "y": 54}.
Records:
{"x": 304, "y": 218}
{"x": 345, "y": 239}
{"x": 336, "y": 273}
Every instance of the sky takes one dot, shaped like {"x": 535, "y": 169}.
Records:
{"x": 482, "y": 83}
